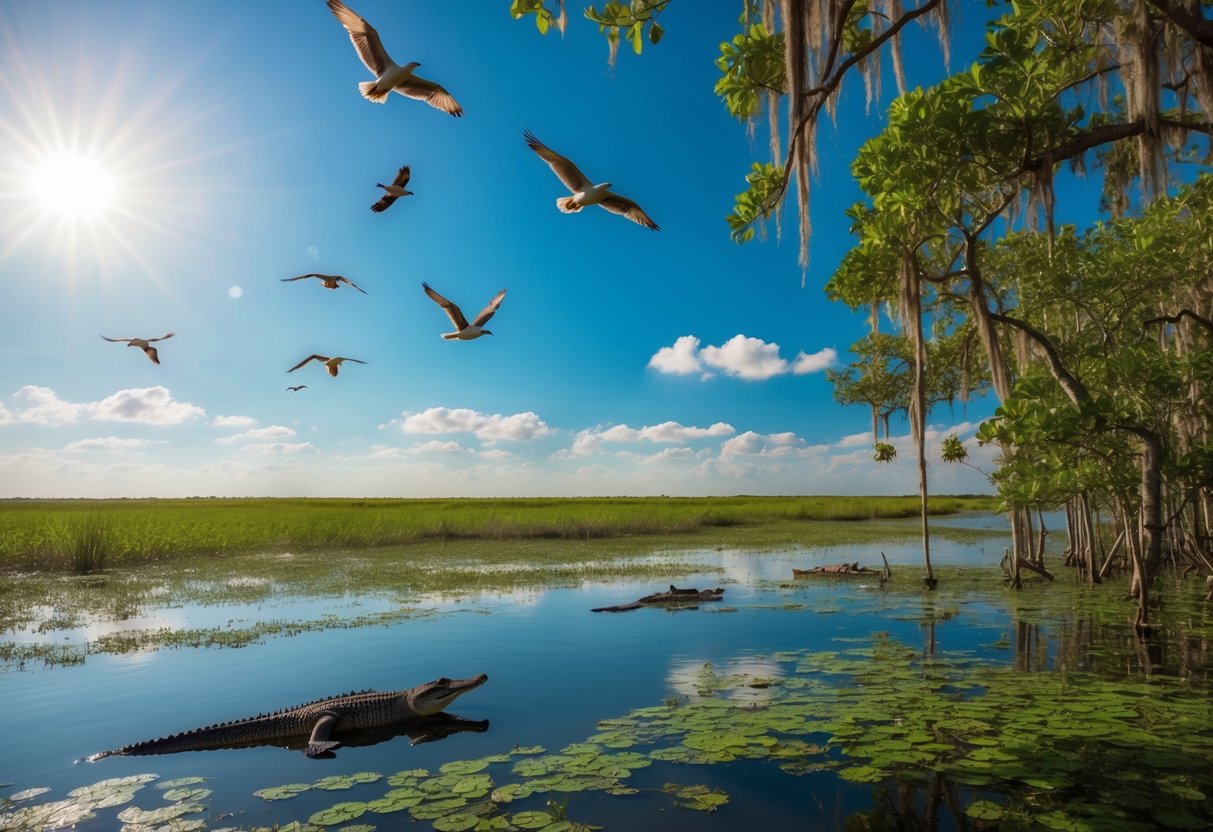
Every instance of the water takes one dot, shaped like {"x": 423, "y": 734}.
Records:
{"x": 554, "y": 668}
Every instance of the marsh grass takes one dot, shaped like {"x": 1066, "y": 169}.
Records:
{"x": 89, "y": 543}
{"x": 86, "y": 535}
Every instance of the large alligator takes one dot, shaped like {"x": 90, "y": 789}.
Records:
{"x": 324, "y": 720}
{"x": 674, "y": 599}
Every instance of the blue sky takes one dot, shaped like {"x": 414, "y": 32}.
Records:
{"x": 237, "y": 152}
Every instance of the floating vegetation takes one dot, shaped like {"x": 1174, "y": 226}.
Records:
{"x": 1043, "y": 750}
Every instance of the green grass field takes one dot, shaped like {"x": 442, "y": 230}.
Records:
{"x": 84, "y": 535}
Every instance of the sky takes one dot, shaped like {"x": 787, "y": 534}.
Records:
{"x": 166, "y": 164}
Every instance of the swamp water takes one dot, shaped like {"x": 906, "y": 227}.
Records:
{"x": 815, "y": 704}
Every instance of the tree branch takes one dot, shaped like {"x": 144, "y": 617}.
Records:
{"x": 1174, "y": 319}
{"x": 1074, "y": 389}
{"x": 1187, "y": 18}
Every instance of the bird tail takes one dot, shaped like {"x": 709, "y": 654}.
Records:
{"x": 568, "y": 205}
{"x": 367, "y": 88}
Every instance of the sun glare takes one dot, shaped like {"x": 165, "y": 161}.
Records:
{"x": 72, "y": 186}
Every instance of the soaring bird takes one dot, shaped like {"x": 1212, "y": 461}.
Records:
{"x": 389, "y": 76}
{"x": 330, "y": 364}
{"x": 393, "y": 191}
{"x": 297, "y": 388}
{"x": 585, "y": 192}
{"x": 463, "y": 330}
{"x": 330, "y": 281}
{"x": 144, "y": 344}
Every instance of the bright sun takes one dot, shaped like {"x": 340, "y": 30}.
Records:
{"x": 72, "y": 186}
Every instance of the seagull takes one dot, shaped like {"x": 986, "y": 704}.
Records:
{"x": 297, "y": 388}
{"x": 144, "y": 344}
{"x": 389, "y": 76}
{"x": 330, "y": 281}
{"x": 463, "y": 330}
{"x": 394, "y": 190}
{"x": 330, "y": 364}
{"x": 584, "y": 192}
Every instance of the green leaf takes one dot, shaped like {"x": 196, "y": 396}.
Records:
{"x": 655, "y": 33}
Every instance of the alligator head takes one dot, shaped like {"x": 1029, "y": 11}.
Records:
{"x": 434, "y": 696}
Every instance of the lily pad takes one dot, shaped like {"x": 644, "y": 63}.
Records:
{"x": 282, "y": 792}
{"x": 338, "y": 813}
{"x": 456, "y": 823}
{"x": 532, "y": 820}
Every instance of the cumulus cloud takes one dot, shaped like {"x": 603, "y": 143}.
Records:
{"x": 106, "y": 443}
{"x": 6, "y": 418}
{"x": 485, "y": 426}
{"x": 757, "y": 444}
{"x": 742, "y": 357}
{"x": 590, "y": 441}
{"x": 815, "y": 362}
{"x": 278, "y": 448}
{"x": 497, "y": 454}
{"x": 679, "y": 360}
{"x": 436, "y": 446}
{"x": 233, "y": 422}
{"x": 45, "y": 407}
{"x": 146, "y": 405}
{"x": 269, "y": 432}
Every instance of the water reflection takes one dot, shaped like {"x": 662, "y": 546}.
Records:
{"x": 744, "y": 679}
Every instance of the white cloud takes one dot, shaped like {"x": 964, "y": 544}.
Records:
{"x": 233, "y": 422}
{"x": 146, "y": 405}
{"x": 485, "y": 426}
{"x": 742, "y": 357}
{"x": 276, "y": 448}
{"x": 45, "y": 407}
{"x": 269, "y": 432}
{"x": 590, "y": 441}
{"x": 435, "y": 446}
{"x": 497, "y": 454}
{"x": 756, "y": 444}
{"x": 6, "y": 418}
{"x": 816, "y": 362}
{"x": 107, "y": 443}
{"x": 680, "y": 359}
{"x": 750, "y": 358}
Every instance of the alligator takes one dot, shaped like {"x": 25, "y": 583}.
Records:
{"x": 323, "y": 720}
{"x": 675, "y": 598}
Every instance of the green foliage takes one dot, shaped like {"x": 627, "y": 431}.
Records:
{"x": 629, "y": 20}
{"x": 545, "y": 19}
{"x": 751, "y": 64}
{"x": 952, "y": 449}
{"x": 884, "y": 452}
{"x": 89, "y": 543}
{"x": 757, "y": 202}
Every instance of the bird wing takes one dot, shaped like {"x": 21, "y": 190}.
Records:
{"x": 433, "y": 94}
{"x": 161, "y": 338}
{"x": 364, "y": 37}
{"x": 306, "y": 360}
{"x": 342, "y": 279}
{"x": 356, "y": 360}
{"x": 452, "y": 310}
{"x": 383, "y": 204}
{"x": 402, "y": 177}
{"x": 626, "y": 208}
{"x": 487, "y": 312}
{"x": 119, "y": 340}
{"x": 152, "y": 354}
{"x": 302, "y": 277}
{"x": 565, "y": 171}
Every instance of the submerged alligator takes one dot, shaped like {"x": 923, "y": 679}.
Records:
{"x": 675, "y": 598}
{"x": 323, "y": 721}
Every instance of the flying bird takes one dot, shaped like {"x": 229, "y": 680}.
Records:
{"x": 393, "y": 191}
{"x": 463, "y": 330}
{"x": 330, "y": 281}
{"x": 585, "y": 192}
{"x": 297, "y": 388}
{"x": 389, "y": 76}
{"x": 330, "y": 364}
{"x": 144, "y": 344}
